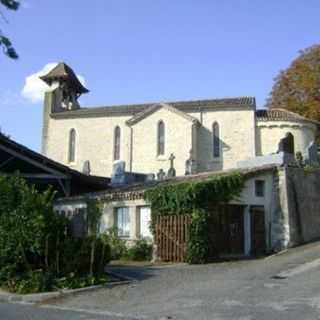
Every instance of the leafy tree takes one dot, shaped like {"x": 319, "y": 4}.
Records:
{"x": 297, "y": 88}
{"x": 5, "y": 43}
{"x": 94, "y": 214}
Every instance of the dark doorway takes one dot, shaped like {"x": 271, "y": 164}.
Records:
{"x": 258, "y": 234}
{"x": 231, "y": 230}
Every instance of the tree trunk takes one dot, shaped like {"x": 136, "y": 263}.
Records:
{"x": 93, "y": 245}
{"x": 102, "y": 258}
{"x": 58, "y": 254}
{"x": 46, "y": 254}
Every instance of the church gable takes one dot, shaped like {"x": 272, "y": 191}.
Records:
{"x": 154, "y": 108}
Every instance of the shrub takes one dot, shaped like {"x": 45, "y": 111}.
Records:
{"x": 31, "y": 282}
{"x": 35, "y": 247}
{"x": 76, "y": 255}
{"x": 141, "y": 251}
{"x": 118, "y": 246}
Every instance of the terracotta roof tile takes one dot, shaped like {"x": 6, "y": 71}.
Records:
{"x": 281, "y": 115}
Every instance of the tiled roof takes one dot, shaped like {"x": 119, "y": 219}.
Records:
{"x": 281, "y": 115}
{"x": 185, "y": 106}
{"x": 63, "y": 71}
{"x": 39, "y": 158}
{"x": 136, "y": 191}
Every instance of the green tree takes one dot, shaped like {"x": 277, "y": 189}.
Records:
{"x": 94, "y": 214}
{"x": 297, "y": 88}
{"x": 5, "y": 43}
{"x": 27, "y": 222}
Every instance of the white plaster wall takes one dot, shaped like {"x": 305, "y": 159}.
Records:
{"x": 178, "y": 140}
{"x": 237, "y": 134}
{"x": 249, "y": 198}
{"x": 269, "y": 134}
{"x": 94, "y": 142}
{"x": 107, "y": 219}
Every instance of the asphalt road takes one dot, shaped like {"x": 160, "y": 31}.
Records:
{"x": 280, "y": 287}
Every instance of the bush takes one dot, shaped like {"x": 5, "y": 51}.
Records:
{"x": 118, "y": 246}
{"x": 35, "y": 247}
{"x": 76, "y": 255}
{"x": 30, "y": 282}
{"x": 141, "y": 251}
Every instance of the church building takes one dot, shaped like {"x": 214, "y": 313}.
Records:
{"x": 193, "y": 136}
{"x": 146, "y": 145}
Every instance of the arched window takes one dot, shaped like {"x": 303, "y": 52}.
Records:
{"x": 72, "y": 146}
{"x": 161, "y": 138}
{"x": 216, "y": 140}
{"x": 116, "y": 143}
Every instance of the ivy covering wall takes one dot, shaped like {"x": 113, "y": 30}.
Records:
{"x": 195, "y": 198}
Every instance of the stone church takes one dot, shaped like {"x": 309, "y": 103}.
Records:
{"x": 189, "y": 136}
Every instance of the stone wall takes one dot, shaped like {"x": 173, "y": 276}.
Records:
{"x": 269, "y": 133}
{"x": 178, "y": 140}
{"x": 295, "y": 207}
{"x": 237, "y": 135}
{"x": 303, "y": 186}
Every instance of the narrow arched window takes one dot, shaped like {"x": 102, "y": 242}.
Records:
{"x": 161, "y": 138}
{"x": 216, "y": 140}
{"x": 116, "y": 143}
{"x": 72, "y": 146}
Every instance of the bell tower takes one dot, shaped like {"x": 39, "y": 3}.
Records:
{"x": 62, "y": 95}
{"x": 65, "y": 88}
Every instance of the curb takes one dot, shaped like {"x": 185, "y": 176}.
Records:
{"x": 42, "y": 297}
{"x": 280, "y": 253}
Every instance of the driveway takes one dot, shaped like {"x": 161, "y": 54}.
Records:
{"x": 230, "y": 290}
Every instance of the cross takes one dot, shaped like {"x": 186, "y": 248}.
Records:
{"x": 171, "y": 158}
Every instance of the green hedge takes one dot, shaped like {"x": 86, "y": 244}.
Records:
{"x": 35, "y": 247}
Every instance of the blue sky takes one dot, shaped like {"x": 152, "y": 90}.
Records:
{"x": 151, "y": 50}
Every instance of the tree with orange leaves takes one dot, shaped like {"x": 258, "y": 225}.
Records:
{"x": 297, "y": 89}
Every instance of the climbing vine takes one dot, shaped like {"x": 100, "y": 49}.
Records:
{"x": 195, "y": 198}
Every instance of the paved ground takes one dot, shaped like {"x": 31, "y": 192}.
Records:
{"x": 244, "y": 290}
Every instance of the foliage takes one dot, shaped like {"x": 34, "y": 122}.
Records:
{"x": 30, "y": 282}
{"x": 200, "y": 248}
{"x": 5, "y": 43}
{"x": 76, "y": 256}
{"x": 117, "y": 245}
{"x": 297, "y": 88}
{"x": 27, "y": 223}
{"x": 74, "y": 282}
{"x": 140, "y": 251}
{"x": 196, "y": 198}
{"x": 35, "y": 247}
{"x": 94, "y": 214}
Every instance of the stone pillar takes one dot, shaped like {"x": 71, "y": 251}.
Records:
{"x": 107, "y": 219}
{"x": 133, "y": 223}
{"x": 280, "y": 229}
